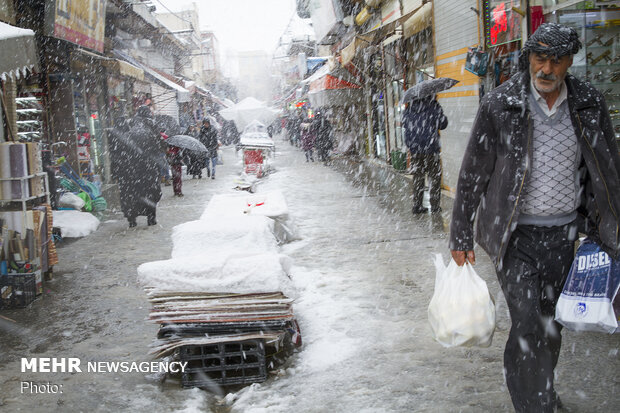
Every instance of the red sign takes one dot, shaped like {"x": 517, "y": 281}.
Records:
{"x": 536, "y": 17}
{"x": 503, "y": 24}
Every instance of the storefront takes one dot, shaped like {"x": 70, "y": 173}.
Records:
{"x": 21, "y": 96}
{"x": 457, "y": 28}
{"x": 339, "y": 95}
{"x": 598, "y": 62}
{"x": 73, "y": 39}
{"x": 123, "y": 81}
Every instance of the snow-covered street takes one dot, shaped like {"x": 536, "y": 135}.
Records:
{"x": 363, "y": 277}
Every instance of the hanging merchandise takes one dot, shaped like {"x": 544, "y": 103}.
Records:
{"x": 477, "y": 61}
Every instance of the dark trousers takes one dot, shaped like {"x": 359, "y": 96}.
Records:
{"x": 177, "y": 180}
{"x": 423, "y": 165}
{"x": 534, "y": 270}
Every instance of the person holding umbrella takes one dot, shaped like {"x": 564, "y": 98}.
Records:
{"x": 137, "y": 149}
{"x": 422, "y": 118}
{"x": 181, "y": 147}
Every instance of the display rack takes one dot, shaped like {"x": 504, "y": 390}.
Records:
{"x": 29, "y": 118}
{"x": 17, "y": 204}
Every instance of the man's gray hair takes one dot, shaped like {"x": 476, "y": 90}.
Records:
{"x": 551, "y": 39}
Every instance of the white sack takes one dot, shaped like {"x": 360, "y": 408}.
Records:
{"x": 461, "y": 312}
{"x": 71, "y": 200}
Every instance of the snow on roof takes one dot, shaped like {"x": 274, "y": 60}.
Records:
{"x": 18, "y": 51}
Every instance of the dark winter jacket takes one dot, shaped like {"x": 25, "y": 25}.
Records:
{"x": 208, "y": 137}
{"x": 308, "y": 136}
{"x": 323, "y": 131}
{"x": 421, "y": 122}
{"x": 495, "y": 167}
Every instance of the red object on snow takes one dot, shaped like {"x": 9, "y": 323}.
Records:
{"x": 253, "y": 161}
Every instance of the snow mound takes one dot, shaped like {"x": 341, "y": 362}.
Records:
{"x": 220, "y": 237}
{"x": 75, "y": 224}
{"x": 239, "y": 274}
{"x": 231, "y": 248}
{"x": 270, "y": 204}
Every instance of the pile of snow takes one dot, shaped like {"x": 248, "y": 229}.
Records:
{"x": 231, "y": 248}
{"x": 75, "y": 224}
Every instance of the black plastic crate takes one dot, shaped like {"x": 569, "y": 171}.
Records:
{"x": 227, "y": 363}
{"x": 17, "y": 290}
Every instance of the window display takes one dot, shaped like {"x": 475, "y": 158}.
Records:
{"x": 598, "y": 62}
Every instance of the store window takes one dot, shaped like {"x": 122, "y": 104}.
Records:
{"x": 378, "y": 108}
{"x": 502, "y": 22}
{"x": 502, "y": 25}
{"x": 598, "y": 62}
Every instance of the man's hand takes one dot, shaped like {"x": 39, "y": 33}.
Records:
{"x": 461, "y": 256}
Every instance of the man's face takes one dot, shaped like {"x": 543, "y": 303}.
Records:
{"x": 548, "y": 72}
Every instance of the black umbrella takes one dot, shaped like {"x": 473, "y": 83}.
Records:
{"x": 428, "y": 87}
{"x": 186, "y": 142}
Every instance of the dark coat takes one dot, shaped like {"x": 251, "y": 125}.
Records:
{"x": 421, "y": 122}
{"x": 208, "y": 137}
{"x": 308, "y": 136}
{"x": 137, "y": 152}
{"x": 495, "y": 167}
{"x": 323, "y": 131}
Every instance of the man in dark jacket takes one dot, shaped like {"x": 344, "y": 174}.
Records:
{"x": 323, "y": 132}
{"x": 541, "y": 164}
{"x": 422, "y": 120}
{"x": 208, "y": 137}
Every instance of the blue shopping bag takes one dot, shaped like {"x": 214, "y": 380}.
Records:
{"x": 586, "y": 302}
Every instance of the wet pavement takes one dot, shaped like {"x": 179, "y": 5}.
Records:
{"x": 365, "y": 276}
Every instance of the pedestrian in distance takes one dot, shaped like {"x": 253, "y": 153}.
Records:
{"x": 323, "y": 132}
{"x": 175, "y": 158}
{"x": 541, "y": 165}
{"x": 293, "y": 127}
{"x": 194, "y": 161}
{"x": 208, "y": 137}
{"x": 165, "y": 172}
{"x": 308, "y": 136}
{"x": 422, "y": 120}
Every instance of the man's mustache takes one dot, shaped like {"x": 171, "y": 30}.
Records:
{"x": 541, "y": 75}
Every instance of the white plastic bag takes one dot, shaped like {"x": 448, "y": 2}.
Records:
{"x": 70, "y": 200}
{"x": 461, "y": 312}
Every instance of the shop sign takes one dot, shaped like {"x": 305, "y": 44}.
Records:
{"x": 81, "y": 22}
{"x": 502, "y": 22}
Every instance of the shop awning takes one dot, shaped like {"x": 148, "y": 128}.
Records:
{"x": 333, "y": 85}
{"x": 124, "y": 68}
{"x": 18, "y": 51}
{"x": 420, "y": 20}
{"x": 183, "y": 94}
{"x": 359, "y": 42}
